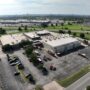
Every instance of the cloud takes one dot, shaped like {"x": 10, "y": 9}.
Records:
{"x": 45, "y": 7}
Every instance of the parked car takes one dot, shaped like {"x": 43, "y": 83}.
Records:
{"x": 14, "y": 63}
{"x": 31, "y": 79}
{"x": 20, "y": 66}
{"x": 16, "y": 73}
{"x": 37, "y": 53}
{"x": 52, "y": 68}
{"x": 49, "y": 58}
{"x": 39, "y": 60}
{"x": 58, "y": 54}
{"x": 44, "y": 71}
{"x": 45, "y": 58}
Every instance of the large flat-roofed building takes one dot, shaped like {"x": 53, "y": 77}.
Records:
{"x": 55, "y": 42}
{"x": 61, "y": 45}
{"x": 37, "y": 35}
{"x": 32, "y": 36}
{"x": 36, "y": 39}
{"x": 43, "y": 33}
{"x": 12, "y": 39}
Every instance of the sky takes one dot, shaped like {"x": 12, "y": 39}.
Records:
{"x": 15, "y": 7}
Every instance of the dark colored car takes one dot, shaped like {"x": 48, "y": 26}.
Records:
{"x": 20, "y": 66}
{"x": 31, "y": 79}
{"x": 17, "y": 73}
{"x": 44, "y": 71}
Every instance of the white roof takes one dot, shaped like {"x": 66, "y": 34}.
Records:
{"x": 61, "y": 41}
{"x": 43, "y": 32}
{"x": 12, "y": 39}
{"x": 31, "y": 35}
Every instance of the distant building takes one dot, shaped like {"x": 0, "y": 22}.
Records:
{"x": 22, "y": 22}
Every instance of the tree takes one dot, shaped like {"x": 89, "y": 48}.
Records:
{"x": 34, "y": 59}
{"x": 56, "y": 24}
{"x": 52, "y": 25}
{"x": 2, "y": 31}
{"x": 66, "y": 28}
{"x": 62, "y": 24}
{"x": 81, "y": 28}
{"x": 38, "y": 87}
{"x": 25, "y": 43}
{"x": 7, "y": 48}
{"x": 69, "y": 23}
{"x": 44, "y": 25}
{"x": 19, "y": 29}
{"x": 26, "y": 28}
{"x": 69, "y": 32}
{"x": 62, "y": 31}
{"x": 82, "y": 35}
{"x": 29, "y": 50}
{"x": 74, "y": 34}
{"x": 88, "y": 88}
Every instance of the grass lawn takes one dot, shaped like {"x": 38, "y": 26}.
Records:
{"x": 77, "y": 27}
{"x": 70, "y": 27}
{"x": 71, "y": 79}
{"x": 88, "y": 88}
{"x": 12, "y": 29}
{"x": 87, "y": 36}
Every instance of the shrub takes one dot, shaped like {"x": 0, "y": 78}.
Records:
{"x": 38, "y": 87}
{"x": 88, "y": 88}
{"x": 82, "y": 35}
{"x": 7, "y": 48}
{"x": 40, "y": 66}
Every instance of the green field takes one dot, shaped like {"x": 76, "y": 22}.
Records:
{"x": 71, "y": 79}
{"x": 87, "y": 35}
{"x": 77, "y": 27}
{"x": 70, "y": 27}
{"x": 13, "y": 29}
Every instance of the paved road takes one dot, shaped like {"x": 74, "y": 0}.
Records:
{"x": 80, "y": 84}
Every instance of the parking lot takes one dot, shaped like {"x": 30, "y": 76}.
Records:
{"x": 65, "y": 66}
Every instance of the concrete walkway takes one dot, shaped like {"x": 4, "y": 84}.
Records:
{"x": 53, "y": 86}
